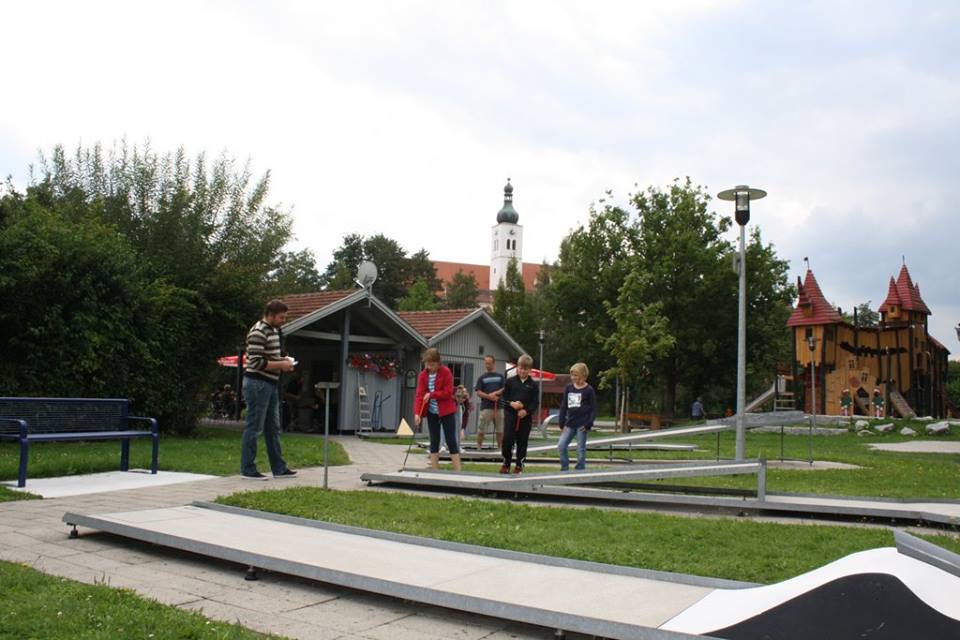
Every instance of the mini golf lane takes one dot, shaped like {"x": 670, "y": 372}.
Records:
{"x": 881, "y": 594}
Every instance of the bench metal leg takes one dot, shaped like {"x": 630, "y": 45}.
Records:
{"x": 24, "y": 458}
{"x": 125, "y": 454}
{"x": 155, "y": 454}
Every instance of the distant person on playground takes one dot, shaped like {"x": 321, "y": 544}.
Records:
{"x": 520, "y": 405}
{"x": 696, "y": 411}
{"x": 261, "y": 380}
{"x": 434, "y": 399}
{"x": 846, "y": 402}
{"x": 578, "y": 409}
{"x": 878, "y": 403}
{"x": 489, "y": 389}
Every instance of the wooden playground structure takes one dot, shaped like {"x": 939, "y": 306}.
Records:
{"x": 898, "y": 356}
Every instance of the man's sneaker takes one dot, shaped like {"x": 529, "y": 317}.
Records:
{"x": 256, "y": 475}
{"x": 517, "y": 469}
{"x": 504, "y": 469}
{"x": 289, "y": 473}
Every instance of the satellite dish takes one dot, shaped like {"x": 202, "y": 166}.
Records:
{"x": 366, "y": 274}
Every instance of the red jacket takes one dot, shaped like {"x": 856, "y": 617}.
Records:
{"x": 442, "y": 392}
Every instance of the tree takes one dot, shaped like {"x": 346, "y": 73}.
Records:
{"x": 420, "y": 267}
{"x": 342, "y": 270}
{"x": 419, "y": 298}
{"x": 462, "y": 291}
{"x": 396, "y": 271}
{"x": 294, "y": 272}
{"x": 594, "y": 261}
{"x": 512, "y": 309}
{"x": 641, "y": 335}
{"x": 866, "y": 317}
{"x": 199, "y": 240}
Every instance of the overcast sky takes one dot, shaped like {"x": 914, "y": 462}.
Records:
{"x": 406, "y": 118}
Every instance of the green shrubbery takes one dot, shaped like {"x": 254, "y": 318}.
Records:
{"x": 126, "y": 274}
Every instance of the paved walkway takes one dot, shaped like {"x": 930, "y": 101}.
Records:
{"x": 32, "y": 533}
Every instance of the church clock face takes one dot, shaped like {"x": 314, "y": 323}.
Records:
{"x": 512, "y": 231}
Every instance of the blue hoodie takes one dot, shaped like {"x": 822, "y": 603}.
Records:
{"x": 578, "y": 408}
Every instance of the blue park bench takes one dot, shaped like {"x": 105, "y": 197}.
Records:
{"x": 27, "y": 420}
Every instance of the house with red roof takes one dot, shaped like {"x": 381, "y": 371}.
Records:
{"x": 898, "y": 357}
{"x": 359, "y": 359}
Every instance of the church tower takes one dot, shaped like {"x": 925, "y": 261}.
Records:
{"x": 507, "y": 240}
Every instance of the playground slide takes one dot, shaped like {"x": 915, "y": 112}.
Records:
{"x": 900, "y": 405}
{"x": 758, "y": 402}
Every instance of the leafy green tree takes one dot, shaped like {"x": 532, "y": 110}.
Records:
{"x": 202, "y": 239}
{"x": 593, "y": 263}
{"x": 953, "y": 382}
{"x": 462, "y": 291}
{"x": 396, "y": 271}
{"x": 420, "y": 267}
{"x": 513, "y": 311}
{"x": 418, "y": 298}
{"x": 640, "y": 337}
{"x": 294, "y": 272}
{"x": 866, "y": 317}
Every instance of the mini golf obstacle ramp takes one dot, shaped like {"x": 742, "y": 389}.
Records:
{"x": 590, "y": 598}
{"x": 642, "y": 439}
{"x": 537, "y": 482}
{"x": 612, "y": 486}
{"x": 882, "y": 594}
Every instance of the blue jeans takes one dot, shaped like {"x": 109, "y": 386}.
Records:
{"x": 263, "y": 416}
{"x": 565, "y": 439}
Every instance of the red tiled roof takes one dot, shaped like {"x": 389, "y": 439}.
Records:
{"x": 300, "y": 304}
{"x": 430, "y": 323}
{"x": 905, "y": 293}
{"x": 812, "y": 307}
{"x": 893, "y": 298}
{"x": 481, "y": 272}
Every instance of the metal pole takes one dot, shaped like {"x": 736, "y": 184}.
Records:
{"x": 326, "y": 432}
{"x": 543, "y": 428}
{"x": 813, "y": 403}
{"x": 741, "y": 346}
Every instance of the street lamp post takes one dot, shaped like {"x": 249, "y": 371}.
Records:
{"x": 812, "y": 344}
{"x": 543, "y": 429}
{"x": 742, "y": 195}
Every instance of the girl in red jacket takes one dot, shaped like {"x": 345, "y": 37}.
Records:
{"x": 434, "y": 399}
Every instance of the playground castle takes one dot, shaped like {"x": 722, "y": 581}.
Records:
{"x": 898, "y": 356}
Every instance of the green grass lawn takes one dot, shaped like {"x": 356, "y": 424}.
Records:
{"x": 718, "y": 547}
{"x": 212, "y": 451}
{"x": 36, "y": 605}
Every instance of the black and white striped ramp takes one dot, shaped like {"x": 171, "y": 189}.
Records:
{"x": 909, "y": 592}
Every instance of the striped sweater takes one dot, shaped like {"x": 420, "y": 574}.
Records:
{"x": 263, "y": 345}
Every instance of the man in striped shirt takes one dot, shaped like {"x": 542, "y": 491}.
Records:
{"x": 261, "y": 378}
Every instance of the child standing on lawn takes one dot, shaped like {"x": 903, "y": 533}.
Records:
{"x": 577, "y": 412}
{"x": 520, "y": 403}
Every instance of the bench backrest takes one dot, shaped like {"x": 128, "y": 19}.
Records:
{"x": 61, "y": 415}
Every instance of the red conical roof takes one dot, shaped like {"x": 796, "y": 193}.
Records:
{"x": 812, "y": 307}
{"x": 893, "y": 298}
{"x": 904, "y": 293}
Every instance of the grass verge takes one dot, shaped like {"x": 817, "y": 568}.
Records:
{"x": 211, "y": 451}
{"x": 36, "y": 605}
{"x": 718, "y": 547}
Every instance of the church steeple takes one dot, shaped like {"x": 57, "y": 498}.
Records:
{"x": 507, "y": 239}
{"x": 507, "y": 213}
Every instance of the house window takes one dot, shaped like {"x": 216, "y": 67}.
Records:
{"x": 456, "y": 368}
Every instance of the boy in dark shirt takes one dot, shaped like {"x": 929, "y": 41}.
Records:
{"x": 520, "y": 403}
{"x": 577, "y": 412}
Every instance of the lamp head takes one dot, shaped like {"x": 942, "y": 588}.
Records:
{"x": 741, "y": 195}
